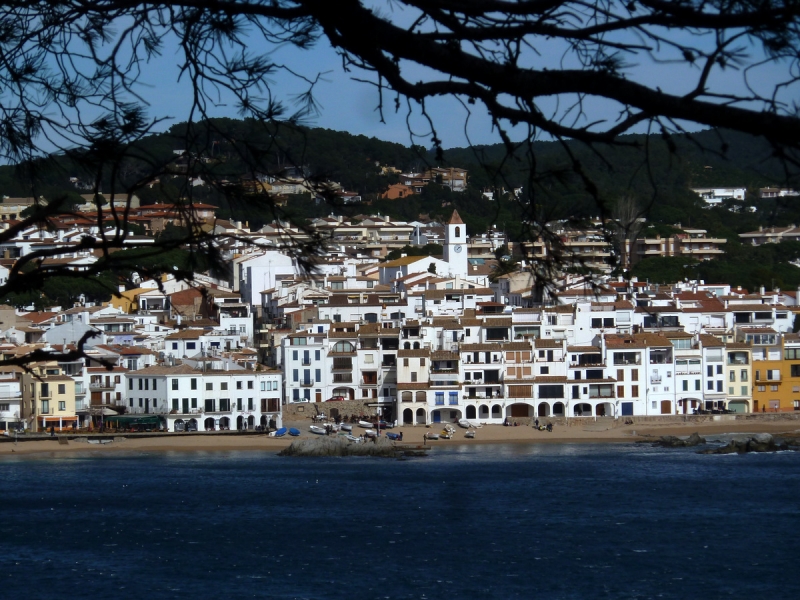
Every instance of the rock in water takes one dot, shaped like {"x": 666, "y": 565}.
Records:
{"x": 670, "y": 441}
{"x": 338, "y": 446}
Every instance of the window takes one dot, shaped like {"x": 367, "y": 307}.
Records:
{"x": 147, "y": 384}
{"x": 413, "y": 378}
{"x": 743, "y": 375}
{"x": 174, "y": 345}
{"x": 453, "y": 398}
{"x": 620, "y": 374}
{"x": 295, "y": 375}
{"x": 194, "y": 402}
{"x": 761, "y": 388}
{"x": 719, "y": 385}
{"x": 744, "y": 390}
{"x": 209, "y": 386}
{"x": 551, "y": 391}
{"x": 697, "y": 385}
{"x": 130, "y": 384}
{"x": 62, "y": 405}
{"x": 620, "y": 391}
{"x": 405, "y": 362}
{"x": 294, "y": 355}
{"x": 732, "y": 375}
{"x": 174, "y": 404}
{"x": 264, "y": 386}
{"x": 224, "y": 404}
{"x": 710, "y": 370}
{"x": 4, "y": 407}
{"x": 710, "y": 385}
{"x": 141, "y": 384}
{"x": 250, "y": 405}
{"x": 191, "y": 345}
{"x": 154, "y": 383}
{"x": 685, "y": 385}
{"x": 544, "y": 370}
{"x": 223, "y": 386}
{"x": 634, "y": 391}
{"x": 250, "y": 384}
{"x": 719, "y": 369}
{"x": 193, "y": 383}
{"x": 62, "y": 388}
{"x": 209, "y": 404}
{"x": 238, "y": 385}
{"x": 174, "y": 384}
{"x": 238, "y": 404}
{"x": 316, "y": 354}
{"x": 421, "y": 362}
{"x": 773, "y": 388}
{"x": 635, "y": 375}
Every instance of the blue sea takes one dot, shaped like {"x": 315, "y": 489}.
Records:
{"x": 554, "y": 521}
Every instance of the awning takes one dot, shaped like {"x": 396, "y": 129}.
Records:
{"x": 127, "y": 420}
{"x": 59, "y": 418}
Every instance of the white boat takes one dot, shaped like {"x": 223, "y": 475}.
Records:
{"x": 346, "y": 427}
{"x": 467, "y": 424}
{"x": 470, "y": 434}
{"x": 431, "y": 436}
{"x": 365, "y": 424}
{"x": 99, "y": 441}
{"x": 370, "y": 433}
{"x": 317, "y": 429}
{"x": 352, "y": 438}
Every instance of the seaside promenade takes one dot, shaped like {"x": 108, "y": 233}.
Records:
{"x": 577, "y": 431}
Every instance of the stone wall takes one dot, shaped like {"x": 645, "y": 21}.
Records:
{"x": 301, "y": 411}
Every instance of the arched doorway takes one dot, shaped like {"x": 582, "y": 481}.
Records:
{"x": 240, "y": 423}
{"x": 518, "y": 410}
{"x": 558, "y": 409}
{"x": 263, "y": 422}
{"x": 582, "y": 410}
{"x": 251, "y": 422}
{"x": 604, "y": 409}
{"x": 471, "y": 412}
{"x": 483, "y": 412}
{"x": 421, "y": 418}
{"x": 408, "y": 417}
{"x": 224, "y": 423}
{"x": 208, "y": 424}
{"x": 191, "y": 425}
{"x": 497, "y": 412}
{"x": 344, "y": 392}
{"x": 544, "y": 409}
{"x": 179, "y": 425}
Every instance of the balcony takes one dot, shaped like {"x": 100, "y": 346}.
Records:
{"x": 306, "y": 382}
{"x": 342, "y": 364}
{"x": 343, "y": 378}
{"x": 99, "y": 386}
{"x": 305, "y": 362}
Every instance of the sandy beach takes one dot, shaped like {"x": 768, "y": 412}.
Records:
{"x": 584, "y": 432}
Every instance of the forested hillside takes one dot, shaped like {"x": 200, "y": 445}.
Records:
{"x": 654, "y": 173}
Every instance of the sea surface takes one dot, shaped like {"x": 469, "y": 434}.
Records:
{"x": 490, "y": 521}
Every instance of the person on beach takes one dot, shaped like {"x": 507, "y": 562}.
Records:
{"x": 536, "y": 423}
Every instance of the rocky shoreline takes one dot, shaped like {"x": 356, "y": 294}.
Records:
{"x": 758, "y": 442}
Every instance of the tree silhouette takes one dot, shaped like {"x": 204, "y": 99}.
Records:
{"x": 72, "y": 81}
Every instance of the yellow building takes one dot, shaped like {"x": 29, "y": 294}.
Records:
{"x": 776, "y": 377}
{"x": 48, "y": 398}
{"x": 739, "y": 377}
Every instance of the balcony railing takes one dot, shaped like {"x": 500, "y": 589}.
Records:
{"x": 306, "y": 382}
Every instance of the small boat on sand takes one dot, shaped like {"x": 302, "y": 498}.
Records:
{"x": 346, "y": 427}
{"x": 470, "y": 434}
{"x": 365, "y": 424}
{"x": 317, "y": 429}
{"x": 394, "y": 436}
{"x": 352, "y": 438}
{"x": 431, "y": 436}
{"x": 467, "y": 424}
{"x": 279, "y": 433}
{"x": 294, "y": 432}
{"x": 371, "y": 433}
{"x": 99, "y": 441}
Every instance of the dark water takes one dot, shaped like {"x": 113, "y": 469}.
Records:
{"x": 571, "y": 521}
